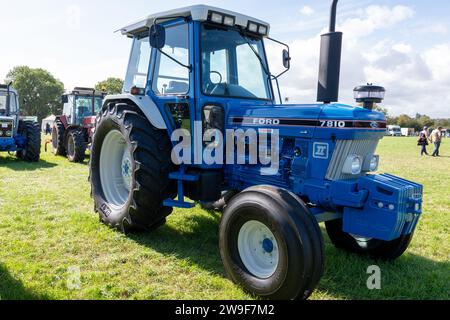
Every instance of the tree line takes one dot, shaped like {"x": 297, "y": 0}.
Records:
{"x": 418, "y": 122}
{"x": 40, "y": 92}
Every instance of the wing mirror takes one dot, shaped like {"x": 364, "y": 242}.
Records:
{"x": 157, "y": 36}
{"x": 286, "y": 59}
{"x": 64, "y": 99}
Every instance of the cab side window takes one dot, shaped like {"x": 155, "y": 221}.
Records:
{"x": 137, "y": 73}
{"x": 171, "y": 78}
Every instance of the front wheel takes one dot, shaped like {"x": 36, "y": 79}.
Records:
{"x": 376, "y": 249}
{"x": 271, "y": 244}
{"x": 76, "y": 146}
{"x": 129, "y": 169}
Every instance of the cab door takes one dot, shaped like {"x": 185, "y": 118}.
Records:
{"x": 171, "y": 77}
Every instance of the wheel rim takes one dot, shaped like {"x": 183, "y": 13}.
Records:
{"x": 258, "y": 249}
{"x": 70, "y": 147}
{"x": 116, "y": 171}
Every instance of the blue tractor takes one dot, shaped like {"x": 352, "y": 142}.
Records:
{"x": 198, "y": 88}
{"x": 17, "y": 134}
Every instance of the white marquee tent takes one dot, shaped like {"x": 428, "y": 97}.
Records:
{"x": 50, "y": 120}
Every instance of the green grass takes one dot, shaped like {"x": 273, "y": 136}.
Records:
{"x": 47, "y": 225}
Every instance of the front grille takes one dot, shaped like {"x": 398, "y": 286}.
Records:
{"x": 345, "y": 148}
{"x": 6, "y": 129}
{"x": 410, "y": 195}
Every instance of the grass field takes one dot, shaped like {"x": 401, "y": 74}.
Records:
{"x": 48, "y": 232}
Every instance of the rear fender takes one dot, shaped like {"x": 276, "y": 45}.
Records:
{"x": 145, "y": 104}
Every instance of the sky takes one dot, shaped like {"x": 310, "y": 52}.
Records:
{"x": 399, "y": 44}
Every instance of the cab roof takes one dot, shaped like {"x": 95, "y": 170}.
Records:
{"x": 4, "y": 88}
{"x": 197, "y": 13}
{"x": 78, "y": 91}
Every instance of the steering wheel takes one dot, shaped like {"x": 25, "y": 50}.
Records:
{"x": 216, "y": 72}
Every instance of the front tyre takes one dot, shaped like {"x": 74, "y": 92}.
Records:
{"x": 271, "y": 245}
{"x": 376, "y": 249}
{"x": 31, "y": 131}
{"x": 76, "y": 146}
{"x": 129, "y": 169}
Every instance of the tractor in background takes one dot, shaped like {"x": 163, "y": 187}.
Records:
{"x": 72, "y": 131}
{"x": 202, "y": 69}
{"x": 17, "y": 134}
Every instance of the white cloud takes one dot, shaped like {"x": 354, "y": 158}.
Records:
{"x": 416, "y": 81}
{"x": 436, "y": 28}
{"x": 307, "y": 11}
{"x": 375, "y": 18}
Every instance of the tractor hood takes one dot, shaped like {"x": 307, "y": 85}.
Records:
{"x": 315, "y": 120}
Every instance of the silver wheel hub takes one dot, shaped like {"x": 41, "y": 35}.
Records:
{"x": 360, "y": 238}
{"x": 258, "y": 249}
{"x": 116, "y": 169}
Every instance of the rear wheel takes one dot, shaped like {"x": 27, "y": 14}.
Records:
{"x": 376, "y": 249}
{"x": 76, "y": 146}
{"x": 129, "y": 169}
{"x": 271, "y": 244}
{"x": 58, "y": 137}
{"x": 32, "y": 133}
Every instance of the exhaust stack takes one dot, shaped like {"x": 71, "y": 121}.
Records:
{"x": 330, "y": 61}
{"x": 8, "y": 98}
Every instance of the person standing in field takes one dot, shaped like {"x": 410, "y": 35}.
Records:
{"x": 423, "y": 141}
{"x": 436, "y": 138}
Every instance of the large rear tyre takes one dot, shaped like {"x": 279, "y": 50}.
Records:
{"x": 271, "y": 244}
{"x": 129, "y": 169}
{"x": 76, "y": 146}
{"x": 31, "y": 131}
{"x": 58, "y": 137}
{"x": 376, "y": 249}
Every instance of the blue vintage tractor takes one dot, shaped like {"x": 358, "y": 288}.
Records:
{"x": 204, "y": 70}
{"x": 17, "y": 134}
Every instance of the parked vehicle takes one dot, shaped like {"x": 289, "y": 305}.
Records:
{"x": 208, "y": 71}
{"x": 394, "y": 131}
{"x": 72, "y": 131}
{"x": 17, "y": 134}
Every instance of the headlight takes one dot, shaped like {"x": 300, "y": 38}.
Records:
{"x": 374, "y": 162}
{"x": 353, "y": 165}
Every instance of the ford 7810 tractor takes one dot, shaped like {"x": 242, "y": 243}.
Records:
{"x": 73, "y": 130}
{"x": 17, "y": 134}
{"x": 198, "y": 82}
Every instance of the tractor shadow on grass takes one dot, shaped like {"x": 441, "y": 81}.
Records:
{"x": 197, "y": 243}
{"x": 410, "y": 277}
{"x": 13, "y": 289}
{"x": 19, "y": 165}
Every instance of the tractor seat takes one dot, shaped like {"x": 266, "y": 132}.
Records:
{"x": 177, "y": 87}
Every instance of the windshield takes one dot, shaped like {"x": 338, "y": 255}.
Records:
{"x": 3, "y": 102}
{"x": 83, "y": 107}
{"x": 231, "y": 65}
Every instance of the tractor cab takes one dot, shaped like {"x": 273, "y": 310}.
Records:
{"x": 80, "y": 104}
{"x": 199, "y": 61}
{"x": 9, "y": 103}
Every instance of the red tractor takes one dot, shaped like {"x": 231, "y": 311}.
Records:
{"x": 73, "y": 130}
